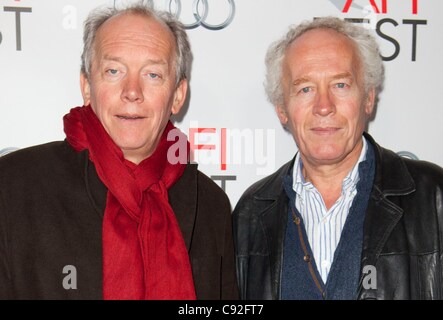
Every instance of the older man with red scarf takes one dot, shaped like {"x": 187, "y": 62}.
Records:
{"x": 107, "y": 201}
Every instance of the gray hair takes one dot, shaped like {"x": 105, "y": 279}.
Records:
{"x": 100, "y": 15}
{"x": 367, "y": 47}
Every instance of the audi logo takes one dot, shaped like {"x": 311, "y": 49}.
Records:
{"x": 201, "y": 19}
{"x": 200, "y": 11}
{"x": 5, "y": 151}
{"x": 407, "y": 154}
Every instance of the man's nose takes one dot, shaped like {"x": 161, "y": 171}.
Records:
{"x": 132, "y": 89}
{"x": 324, "y": 104}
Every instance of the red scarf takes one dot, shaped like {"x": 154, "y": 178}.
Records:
{"x": 144, "y": 254}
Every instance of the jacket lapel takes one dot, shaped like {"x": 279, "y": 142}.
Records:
{"x": 382, "y": 215}
{"x": 95, "y": 188}
{"x": 183, "y": 200}
{"x": 272, "y": 207}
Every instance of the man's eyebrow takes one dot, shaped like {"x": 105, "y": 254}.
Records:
{"x": 299, "y": 81}
{"x": 111, "y": 58}
{"x": 343, "y": 75}
{"x": 147, "y": 61}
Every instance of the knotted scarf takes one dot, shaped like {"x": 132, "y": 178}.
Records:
{"x": 144, "y": 254}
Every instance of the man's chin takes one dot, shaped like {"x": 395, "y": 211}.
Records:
{"x": 134, "y": 148}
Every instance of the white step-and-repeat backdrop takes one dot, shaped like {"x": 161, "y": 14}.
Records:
{"x": 235, "y": 131}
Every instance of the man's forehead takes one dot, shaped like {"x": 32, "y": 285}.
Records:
{"x": 133, "y": 24}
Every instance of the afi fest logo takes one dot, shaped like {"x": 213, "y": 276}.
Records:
{"x": 17, "y": 12}
{"x": 224, "y": 147}
{"x": 377, "y": 16}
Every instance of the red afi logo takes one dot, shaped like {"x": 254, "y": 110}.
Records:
{"x": 344, "y": 5}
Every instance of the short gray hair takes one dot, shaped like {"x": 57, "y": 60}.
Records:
{"x": 102, "y": 14}
{"x": 367, "y": 47}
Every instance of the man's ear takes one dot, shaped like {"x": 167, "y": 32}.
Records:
{"x": 282, "y": 115}
{"x": 86, "y": 89}
{"x": 179, "y": 96}
{"x": 370, "y": 102}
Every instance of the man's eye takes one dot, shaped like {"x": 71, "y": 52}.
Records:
{"x": 112, "y": 72}
{"x": 153, "y": 75}
{"x": 341, "y": 85}
{"x": 306, "y": 90}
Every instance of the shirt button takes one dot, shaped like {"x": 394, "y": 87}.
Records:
{"x": 325, "y": 264}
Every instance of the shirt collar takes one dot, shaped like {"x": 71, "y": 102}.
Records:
{"x": 349, "y": 182}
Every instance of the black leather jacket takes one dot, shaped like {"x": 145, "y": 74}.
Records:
{"x": 402, "y": 232}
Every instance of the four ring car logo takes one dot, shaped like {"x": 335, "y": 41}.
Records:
{"x": 200, "y": 11}
{"x": 407, "y": 154}
{"x": 201, "y": 19}
{"x": 5, "y": 151}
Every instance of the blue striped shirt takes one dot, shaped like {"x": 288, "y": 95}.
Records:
{"x": 324, "y": 227}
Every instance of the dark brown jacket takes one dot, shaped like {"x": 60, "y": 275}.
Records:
{"x": 51, "y": 211}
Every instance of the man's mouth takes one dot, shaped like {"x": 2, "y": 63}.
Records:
{"x": 325, "y": 130}
{"x": 130, "y": 117}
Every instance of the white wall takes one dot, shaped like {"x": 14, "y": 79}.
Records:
{"x": 39, "y": 81}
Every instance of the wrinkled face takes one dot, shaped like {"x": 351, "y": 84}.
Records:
{"x": 132, "y": 83}
{"x": 325, "y": 106}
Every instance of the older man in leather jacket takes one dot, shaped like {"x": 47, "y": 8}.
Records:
{"x": 346, "y": 218}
